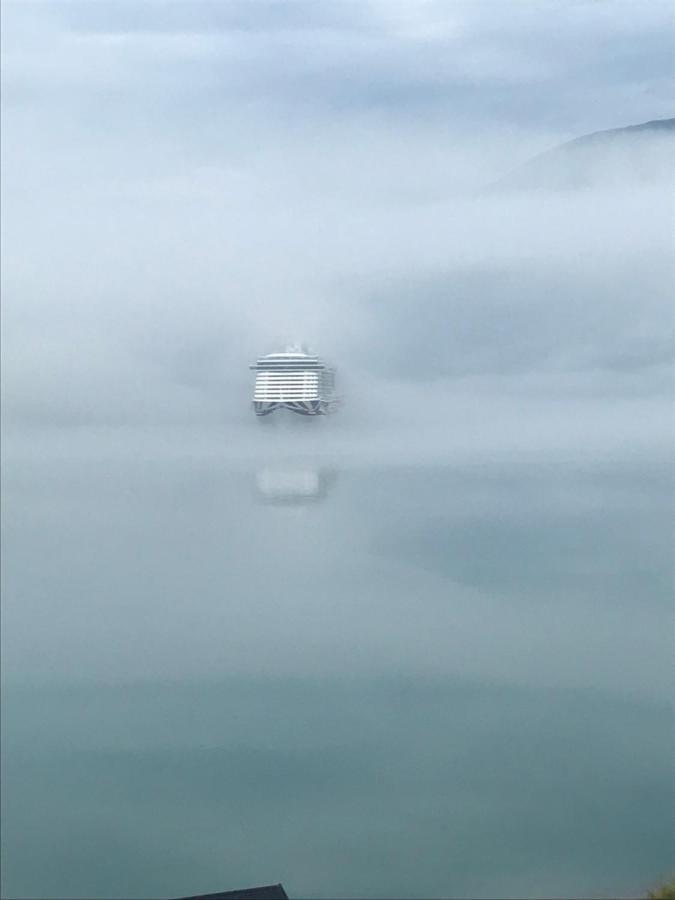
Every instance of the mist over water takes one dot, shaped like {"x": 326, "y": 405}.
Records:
{"x": 419, "y": 648}
{"x": 347, "y": 680}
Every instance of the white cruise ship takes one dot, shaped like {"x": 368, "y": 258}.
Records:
{"x": 295, "y": 380}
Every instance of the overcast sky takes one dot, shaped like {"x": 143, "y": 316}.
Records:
{"x": 187, "y": 184}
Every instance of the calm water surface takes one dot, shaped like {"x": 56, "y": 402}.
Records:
{"x": 360, "y": 681}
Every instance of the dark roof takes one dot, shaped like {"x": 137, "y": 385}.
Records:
{"x": 267, "y": 892}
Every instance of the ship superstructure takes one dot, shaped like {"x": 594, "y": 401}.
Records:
{"x": 295, "y": 379}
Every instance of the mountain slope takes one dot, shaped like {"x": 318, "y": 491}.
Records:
{"x": 642, "y": 153}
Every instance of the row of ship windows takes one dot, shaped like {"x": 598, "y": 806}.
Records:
{"x": 281, "y": 390}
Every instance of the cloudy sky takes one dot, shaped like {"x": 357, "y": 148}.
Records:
{"x": 187, "y": 184}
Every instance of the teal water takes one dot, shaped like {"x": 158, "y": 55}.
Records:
{"x": 367, "y": 682}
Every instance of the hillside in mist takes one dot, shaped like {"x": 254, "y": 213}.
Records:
{"x": 644, "y": 153}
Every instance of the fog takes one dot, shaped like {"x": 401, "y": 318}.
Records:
{"x": 483, "y": 530}
{"x": 187, "y": 185}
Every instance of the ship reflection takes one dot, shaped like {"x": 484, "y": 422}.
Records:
{"x": 293, "y": 485}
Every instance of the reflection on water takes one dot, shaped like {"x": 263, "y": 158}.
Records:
{"x": 438, "y": 682}
{"x": 293, "y": 485}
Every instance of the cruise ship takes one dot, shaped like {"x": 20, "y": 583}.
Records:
{"x": 295, "y": 380}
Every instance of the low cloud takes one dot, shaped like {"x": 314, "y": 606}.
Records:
{"x": 187, "y": 185}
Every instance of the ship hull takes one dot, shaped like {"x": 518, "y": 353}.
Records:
{"x": 300, "y": 407}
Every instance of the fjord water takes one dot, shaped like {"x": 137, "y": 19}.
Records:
{"x": 361, "y": 680}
